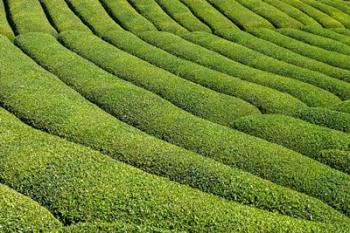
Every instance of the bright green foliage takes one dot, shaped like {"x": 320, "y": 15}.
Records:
{"x": 319, "y": 41}
{"x": 283, "y": 54}
{"x": 294, "y": 13}
{"x": 92, "y": 13}
{"x": 62, "y": 17}
{"x": 326, "y": 117}
{"x": 342, "y": 17}
{"x": 19, "y": 213}
{"x": 337, "y": 158}
{"x": 200, "y": 101}
{"x": 295, "y": 134}
{"x": 266, "y": 99}
{"x": 28, "y": 16}
{"x": 278, "y": 18}
{"x": 326, "y": 33}
{"x": 240, "y": 15}
{"x": 342, "y": 31}
{"x": 324, "y": 19}
{"x": 80, "y": 185}
{"x": 5, "y": 28}
{"x": 307, "y": 93}
{"x": 47, "y": 109}
{"x": 343, "y": 107}
{"x": 127, "y": 16}
{"x": 212, "y": 17}
{"x": 260, "y": 61}
{"x": 178, "y": 11}
{"x": 154, "y": 13}
{"x": 339, "y": 4}
{"x": 328, "y": 57}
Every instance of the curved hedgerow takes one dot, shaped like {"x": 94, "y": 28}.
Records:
{"x": 5, "y": 28}
{"x": 342, "y": 31}
{"x": 337, "y": 158}
{"x": 343, "y": 107}
{"x": 324, "y": 19}
{"x": 154, "y": 13}
{"x": 240, "y": 15}
{"x": 322, "y": 55}
{"x": 29, "y": 16}
{"x": 316, "y": 40}
{"x": 198, "y": 100}
{"x": 178, "y": 11}
{"x": 62, "y": 17}
{"x": 81, "y": 185}
{"x": 178, "y": 46}
{"x": 338, "y": 4}
{"x": 325, "y": 117}
{"x": 342, "y": 17}
{"x": 296, "y": 134}
{"x": 331, "y": 34}
{"x": 278, "y": 18}
{"x": 266, "y": 99}
{"x": 270, "y": 49}
{"x": 20, "y": 213}
{"x": 78, "y": 123}
{"x": 260, "y": 61}
{"x": 127, "y": 16}
{"x": 92, "y": 13}
{"x": 294, "y": 13}
{"x": 208, "y": 14}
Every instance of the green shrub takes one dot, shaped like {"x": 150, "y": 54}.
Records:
{"x": 178, "y": 11}
{"x": 319, "y": 54}
{"x": 5, "y": 28}
{"x": 240, "y": 15}
{"x": 278, "y": 18}
{"x": 343, "y": 107}
{"x": 266, "y": 99}
{"x": 337, "y": 158}
{"x": 180, "y": 47}
{"x": 342, "y": 31}
{"x": 333, "y": 12}
{"x": 295, "y": 134}
{"x": 260, "y": 61}
{"x": 324, "y": 19}
{"x": 92, "y": 13}
{"x": 326, "y": 117}
{"x": 338, "y": 4}
{"x": 327, "y": 33}
{"x": 127, "y": 16}
{"x": 283, "y": 54}
{"x": 294, "y": 13}
{"x": 209, "y": 15}
{"x": 78, "y": 123}
{"x": 154, "y": 13}
{"x": 80, "y": 185}
{"x": 21, "y": 214}
{"x": 28, "y": 16}
{"x": 62, "y": 17}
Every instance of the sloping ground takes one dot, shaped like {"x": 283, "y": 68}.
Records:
{"x": 175, "y": 116}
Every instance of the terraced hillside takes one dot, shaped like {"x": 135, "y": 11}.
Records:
{"x": 175, "y": 116}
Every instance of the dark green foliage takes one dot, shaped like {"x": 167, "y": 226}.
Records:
{"x": 80, "y": 185}
{"x": 326, "y": 117}
{"x": 295, "y": 134}
{"x": 154, "y": 13}
{"x": 240, "y": 15}
{"x": 307, "y": 93}
{"x": 324, "y": 19}
{"x": 260, "y": 61}
{"x": 343, "y": 107}
{"x": 212, "y": 17}
{"x": 92, "y": 13}
{"x": 337, "y": 158}
{"x": 278, "y": 18}
{"x": 331, "y": 34}
{"x": 127, "y": 16}
{"x": 178, "y": 11}
{"x": 328, "y": 57}
{"x": 294, "y": 13}
{"x": 28, "y": 16}
{"x": 283, "y": 54}
{"x": 19, "y": 213}
{"x": 5, "y": 28}
{"x": 266, "y": 99}
{"x": 62, "y": 17}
